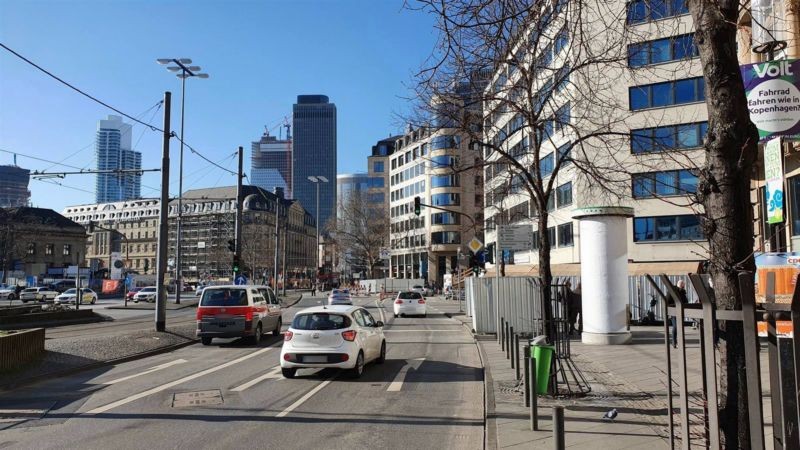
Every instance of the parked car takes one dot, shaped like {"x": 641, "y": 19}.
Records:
{"x": 37, "y": 294}
{"x": 198, "y": 290}
{"x": 340, "y": 297}
{"x": 421, "y": 289}
{"x": 8, "y": 292}
{"x": 146, "y": 294}
{"x": 132, "y": 291}
{"x": 340, "y": 336}
{"x": 238, "y": 311}
{"x": 410, "y": 303}
{"x": 88, "y": 296}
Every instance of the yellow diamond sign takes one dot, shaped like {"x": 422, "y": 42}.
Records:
{"x": 475, "y": 245}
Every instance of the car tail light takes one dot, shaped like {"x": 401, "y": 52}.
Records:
{"x": 349, "y": 335}
{"x": 422, "y": 301}
{"x": 288, "y": 357}
{"x": 345, "y": 356}
{"x": 398, "y": 302}
{"x": 248, "y": 314}
{"x": 288, "y": 335}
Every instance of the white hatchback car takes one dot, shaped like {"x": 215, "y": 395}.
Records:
{"x": 410, "y": 303}
{"x": 339, "y": 336}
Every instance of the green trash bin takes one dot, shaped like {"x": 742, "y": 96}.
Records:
{"x": 544, "y": 357}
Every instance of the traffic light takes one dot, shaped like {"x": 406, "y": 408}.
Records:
{"x": 90, "y": 227}
{"x": 232, "y": 245}
{"x": 417, "y": 205}
{"x": 235, "y": 264}
{"x": 489, "y": 254}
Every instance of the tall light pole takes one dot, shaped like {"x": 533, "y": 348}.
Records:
{"x": 183, "y": 72}
{"x": 317, "y": 180}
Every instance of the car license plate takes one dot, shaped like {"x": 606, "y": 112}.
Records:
{"x": 315, "y": 359}
{"x": 224, "y": 324}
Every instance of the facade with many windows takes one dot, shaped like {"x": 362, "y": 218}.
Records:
{"x": 660, "y": 107}
{"x": 440, "y": 169}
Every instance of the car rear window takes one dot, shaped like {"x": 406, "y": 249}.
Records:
{"x": 223, "y": 297}
{"x": 320, "y": 321}
{"x": 409, "y": 295}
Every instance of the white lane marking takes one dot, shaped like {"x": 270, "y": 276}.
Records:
{"x": 148, "y": 371}
{"x": 303, "y": 399}
{"x": 417, "y": 331}
{"x": 274, "y": 373}
{"x": 380, "y": 311}
{"x": 397, "y": 384}
{"x": 9, "y": 412}
{"x": 126, "y": 400}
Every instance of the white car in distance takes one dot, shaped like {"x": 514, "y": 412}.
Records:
{"x": 421, "y": 289}
{"x": 340, "y": 336}
{"x": 340, "y": 297}
{"x": 410, "y": 303}
{"x": 88, "y": 296}
{"x": 147, "y": 294}
{"x": 37, "y": 294}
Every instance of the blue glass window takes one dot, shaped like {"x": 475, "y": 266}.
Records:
{"x": 645, "y": 10}
{"x": 445, "y": 219}
{"x": 665, "y": 137}
{"x": 445, "y": 237}
{"x": 667, "y": 183}
{"x": 671, "y": 137}
{"x": 660, "y": 51}
{"x": 643, "y": 229}
{"x": 377, "y": 166}
{"x": 664, "y": 94}
{"x": 639, "y": 97}
{"x": 661, "y": 94}
{"x": 445, "y": 199}
{"x": 444, "y": 181}
{"x": 638, "y": 55}
{"x": 565, "y": 154}
{"x": 637, "y": 11}
{"x": 667, "y": 228}
{"x": 440, "y": 142}
{"x": 443, "y": 161}
{"x": 546, "y": 165}
{"x": 564, "y": 194}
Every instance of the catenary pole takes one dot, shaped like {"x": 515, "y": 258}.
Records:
{"x": 163, "y": 225}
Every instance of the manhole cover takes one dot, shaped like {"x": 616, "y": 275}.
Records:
{"x": 199, "y": 398}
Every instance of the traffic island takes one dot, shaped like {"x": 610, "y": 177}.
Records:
{"x": 47, "y": 319}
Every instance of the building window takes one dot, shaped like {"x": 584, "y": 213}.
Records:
{"x": 662, "y": 50}
{"x": 565, "y": 238}
{"x": 445, "y": 237}
{"x": 442, "y": 161}
{"x": 445, "y": 219}
{"x": 565, "y": 154}
{"x": 667, "y": 228}
{"x": 67, "y": 249}
{"x": 672, "y": 137}
{"x": 49, "y": 249}
{"x": 438, "y": 181}
{"x": 562, "y": 117}
{"x": 31, "y": 248}
{"x": 658, "y": 95}
{"x": 377, "y": 166}
{"x": 445, "y": 199}
{"x": 564, "y": 194}
{"x": 441, "y": 142}
{"x": 663, "y": 184}
{"x": 640, "y": 11}
{"x": 546, "y": 165}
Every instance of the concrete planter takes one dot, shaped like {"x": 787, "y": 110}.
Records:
{"x": 20, "y": 347}
{"x": 19, "y": 321}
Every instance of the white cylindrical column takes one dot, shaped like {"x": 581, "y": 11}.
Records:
{"x": 604, "y": 274}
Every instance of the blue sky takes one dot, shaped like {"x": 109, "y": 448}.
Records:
{"x": 260, "y": 55}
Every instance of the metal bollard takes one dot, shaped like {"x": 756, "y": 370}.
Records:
{"x": 511, "y": 346}
{"x": 516, "y": 356}
{"x": 508, "y": 339}
{"x": 534, "y": 400}
{"x": 558, "y": 427}
{"x": 527, "y": 384}
{"x": 500, "y": 334}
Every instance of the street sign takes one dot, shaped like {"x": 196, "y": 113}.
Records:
{"x": 515, "y": 237}
{"x": 475, "y": 245}
{"x": 385, "y": 253}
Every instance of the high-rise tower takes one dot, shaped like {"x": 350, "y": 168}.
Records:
{"x": 113, "y": 148}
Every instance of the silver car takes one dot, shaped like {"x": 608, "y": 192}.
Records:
{"x": 37, "y": 294}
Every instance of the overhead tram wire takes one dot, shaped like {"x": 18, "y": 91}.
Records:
{"x": 95, "y": 99}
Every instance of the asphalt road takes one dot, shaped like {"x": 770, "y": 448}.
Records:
{"x": 428, "y": 394}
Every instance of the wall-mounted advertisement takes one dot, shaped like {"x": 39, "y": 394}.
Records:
{"x": 773, "y": 97}
{"x": 773, "y": 176}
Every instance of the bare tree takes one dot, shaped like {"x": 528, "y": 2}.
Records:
{"x": 359, "y": 231}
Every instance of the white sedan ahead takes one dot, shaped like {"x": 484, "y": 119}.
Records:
{"x": 341, "y": 336}
{"x": 409, "y": 303}
{"x": 88, "y": 296}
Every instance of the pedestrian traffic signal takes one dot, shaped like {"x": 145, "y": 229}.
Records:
{"x": 231, "y": 245}
{"x": 417, "y": 205}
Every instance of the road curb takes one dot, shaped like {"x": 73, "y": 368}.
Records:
{"x": 289, "y": 305}
{"x": 490, "y": 421}
{"x": 96, "y": 365}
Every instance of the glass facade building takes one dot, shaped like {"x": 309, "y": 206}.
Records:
{"x": 271, "y": 164}
{"x": 14, "y": 187}
{"x": 314, "y": 154}
{"x": 113, "y": 151}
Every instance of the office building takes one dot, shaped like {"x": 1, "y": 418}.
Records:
{"x": 314, "y": 154}
{"x": 114, "y": 152}
{"x": 14, "y": 187}
{"x": 271, "y": 164}
{"x": 657, "y": 106}
{"x": 438, "y": 168}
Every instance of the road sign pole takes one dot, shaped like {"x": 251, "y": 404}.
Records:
{"x": 497, "y": 254}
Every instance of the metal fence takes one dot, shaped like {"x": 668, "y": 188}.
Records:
{"x": 519, "y": 300}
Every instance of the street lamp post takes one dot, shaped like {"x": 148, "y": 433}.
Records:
{"x": 317, "y": 180}
{"x": 184, "y": 72}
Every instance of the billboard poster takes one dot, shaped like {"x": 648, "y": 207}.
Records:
{"x": 773, "y": 176}
{"x": 786, "y": 267}
{"x": 773, "y": 97}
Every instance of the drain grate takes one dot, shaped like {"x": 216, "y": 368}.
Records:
{"x": 198, "y": 398}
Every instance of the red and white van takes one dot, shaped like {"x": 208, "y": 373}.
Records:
{"x": 238, "y": 311}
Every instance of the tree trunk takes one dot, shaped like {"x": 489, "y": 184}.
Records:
{"x": 731, "y": 148}
{"x": 546, "y": 275}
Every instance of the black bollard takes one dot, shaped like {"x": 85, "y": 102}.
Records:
{"x": 525, "y": 357}
{"x": 516, "y": 356}
{"x": 558, "y": 427}
{"x": 534, "y": 412}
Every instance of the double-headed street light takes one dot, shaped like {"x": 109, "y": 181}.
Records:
{"x": 182, "y": 71}
{"x": 317, "y": 180}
